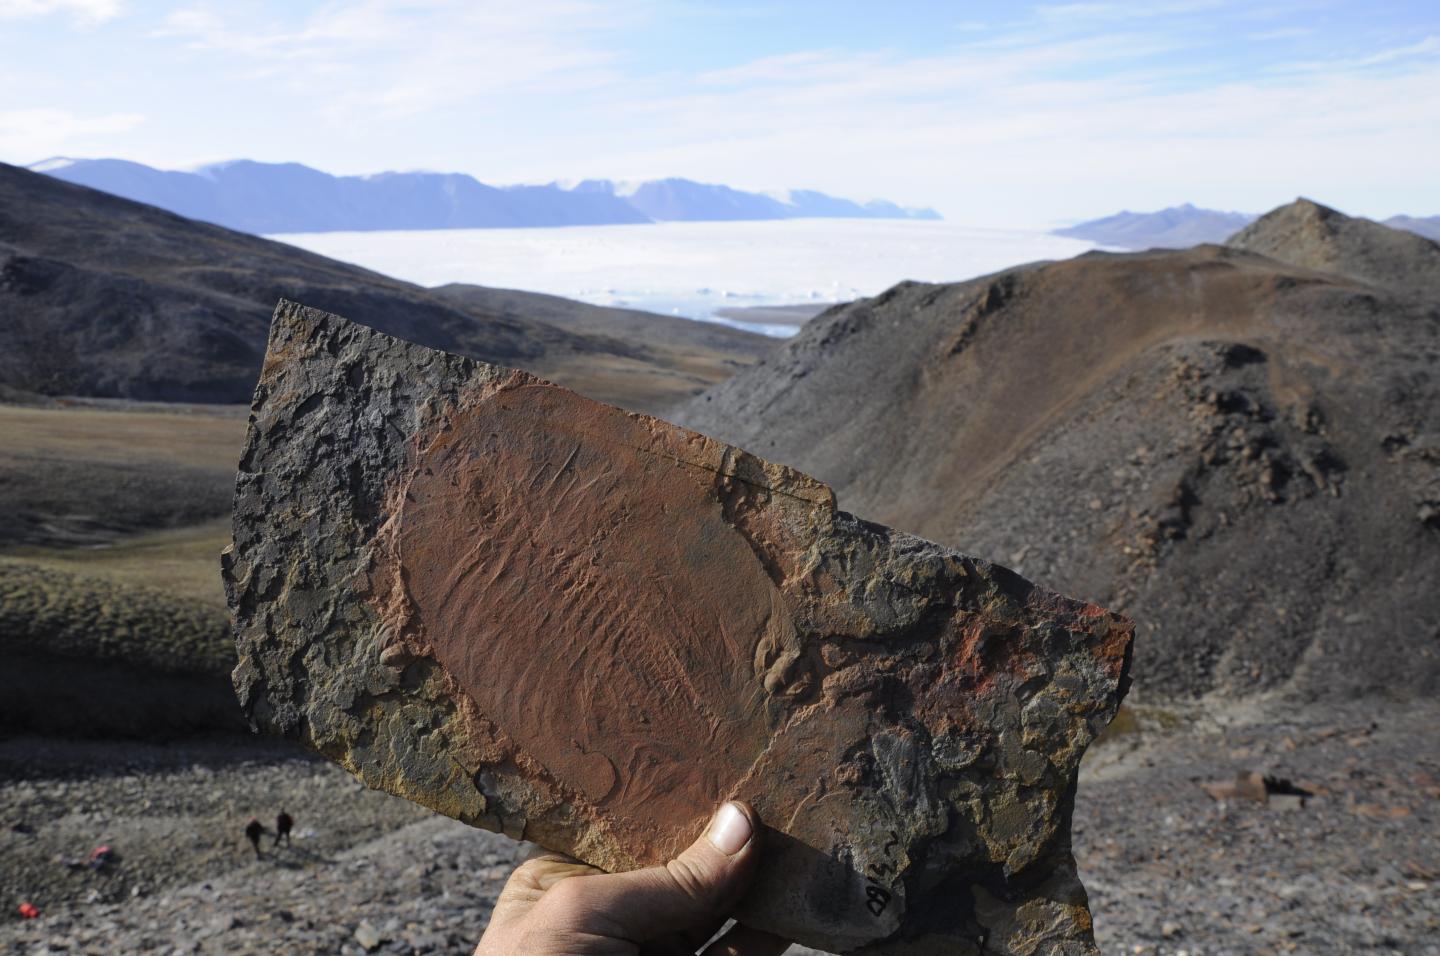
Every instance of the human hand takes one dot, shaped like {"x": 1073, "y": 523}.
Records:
{"x": 556, "y": 906}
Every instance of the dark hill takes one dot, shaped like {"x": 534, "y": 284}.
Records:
{"x": 106, "y": 297}
{"x": 1305, "y": 233}
{"x": 1240, "y": 453}
{"x": 664, "y": 360}
{"x": 630, "y": 325}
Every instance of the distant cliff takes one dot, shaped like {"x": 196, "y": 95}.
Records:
{"x": 1427, "y": 226}
{"x": 1181, "y": 227}
{"x": 288, "y": 197}
{"x": 1178, "y": 227}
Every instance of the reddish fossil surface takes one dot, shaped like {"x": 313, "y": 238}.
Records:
{"x": 586, "y": 627}
{"x": 530, "y": 555}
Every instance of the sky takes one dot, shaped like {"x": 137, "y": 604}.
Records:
{"x": 995, "y": 113}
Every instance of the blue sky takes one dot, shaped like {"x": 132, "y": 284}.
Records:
{"x": 995, "y": 113}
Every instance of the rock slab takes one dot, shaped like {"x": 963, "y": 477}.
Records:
{"x": 585, "y": 627}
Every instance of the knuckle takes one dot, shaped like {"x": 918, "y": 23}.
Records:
{"x": 525, "y": 879}
{"x": 694, "y": 881}
{"x": 526, "y": 870}
{"x": 567, "y": 895}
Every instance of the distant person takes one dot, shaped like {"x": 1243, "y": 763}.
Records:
{"x": 283, "y": 825}
{"x": 253, "y": 829}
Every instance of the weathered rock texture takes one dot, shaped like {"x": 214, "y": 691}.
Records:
{"x": 1307, "y": 234}
{"x": 585, "y": 627}
{"x": 1244, "y": 454}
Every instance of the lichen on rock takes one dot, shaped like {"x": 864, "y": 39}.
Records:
{"x": 586, "y": 627}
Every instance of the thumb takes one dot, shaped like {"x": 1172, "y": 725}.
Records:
{"x": 698, "y": 887}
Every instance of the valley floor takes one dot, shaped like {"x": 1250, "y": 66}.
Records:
{"x": 1170, "y": 870}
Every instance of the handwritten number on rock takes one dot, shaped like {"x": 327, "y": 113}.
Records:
{"x": 877, "y": 897}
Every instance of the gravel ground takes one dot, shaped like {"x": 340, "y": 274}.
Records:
{"x": 1170, "y": 869}
{"x": 1356, "y": 869}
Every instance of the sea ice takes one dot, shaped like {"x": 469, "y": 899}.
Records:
{"x": 680, "y": 268}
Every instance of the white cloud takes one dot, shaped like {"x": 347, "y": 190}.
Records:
{"x": 1430, "y": 46}
{"x": 404, "y": 57}
{"x": 997, "y": 130}
{"x": 788, "y": 67}
{"x": 1073, "y": 13}
{"x": 1281, "y": 33}
{"x": 1066, "y": 112}
{"x": 82, "y": 12}
{"x": 35, "y": 134}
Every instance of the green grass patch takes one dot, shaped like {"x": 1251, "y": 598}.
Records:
{"x": 59, "y": 612}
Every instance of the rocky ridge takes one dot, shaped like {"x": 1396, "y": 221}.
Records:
{"x": 1307, "y": 234}
{"x": 1238, "y": 451}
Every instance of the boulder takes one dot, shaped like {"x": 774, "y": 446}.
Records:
{"x": 585, "y": 627}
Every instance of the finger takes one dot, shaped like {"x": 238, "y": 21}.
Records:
{"x": 538, "y": 852}
{"x": 535, "y": 876}
{"x": 530, "y": 881}
{"x": 744, "y": 941}
{"x": 696, "y": 888}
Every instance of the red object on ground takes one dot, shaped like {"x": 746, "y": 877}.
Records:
{"x": 28, "y": 911}
{"x": 100, "y": 856}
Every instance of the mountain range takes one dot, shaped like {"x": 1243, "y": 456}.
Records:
{"x": 107, "y": 297}
{"x": 1427, "y": 226}
{"x": 1178, "y": 227}
{"x": 265, "y": 198}
{"x": 1235, "y": 445}
{"x": 1181, "y": 227}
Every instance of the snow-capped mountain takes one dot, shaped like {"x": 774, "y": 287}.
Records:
{"x": 289, "y": 197}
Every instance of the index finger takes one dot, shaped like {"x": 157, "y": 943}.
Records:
{"x": 537, "y": 873}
